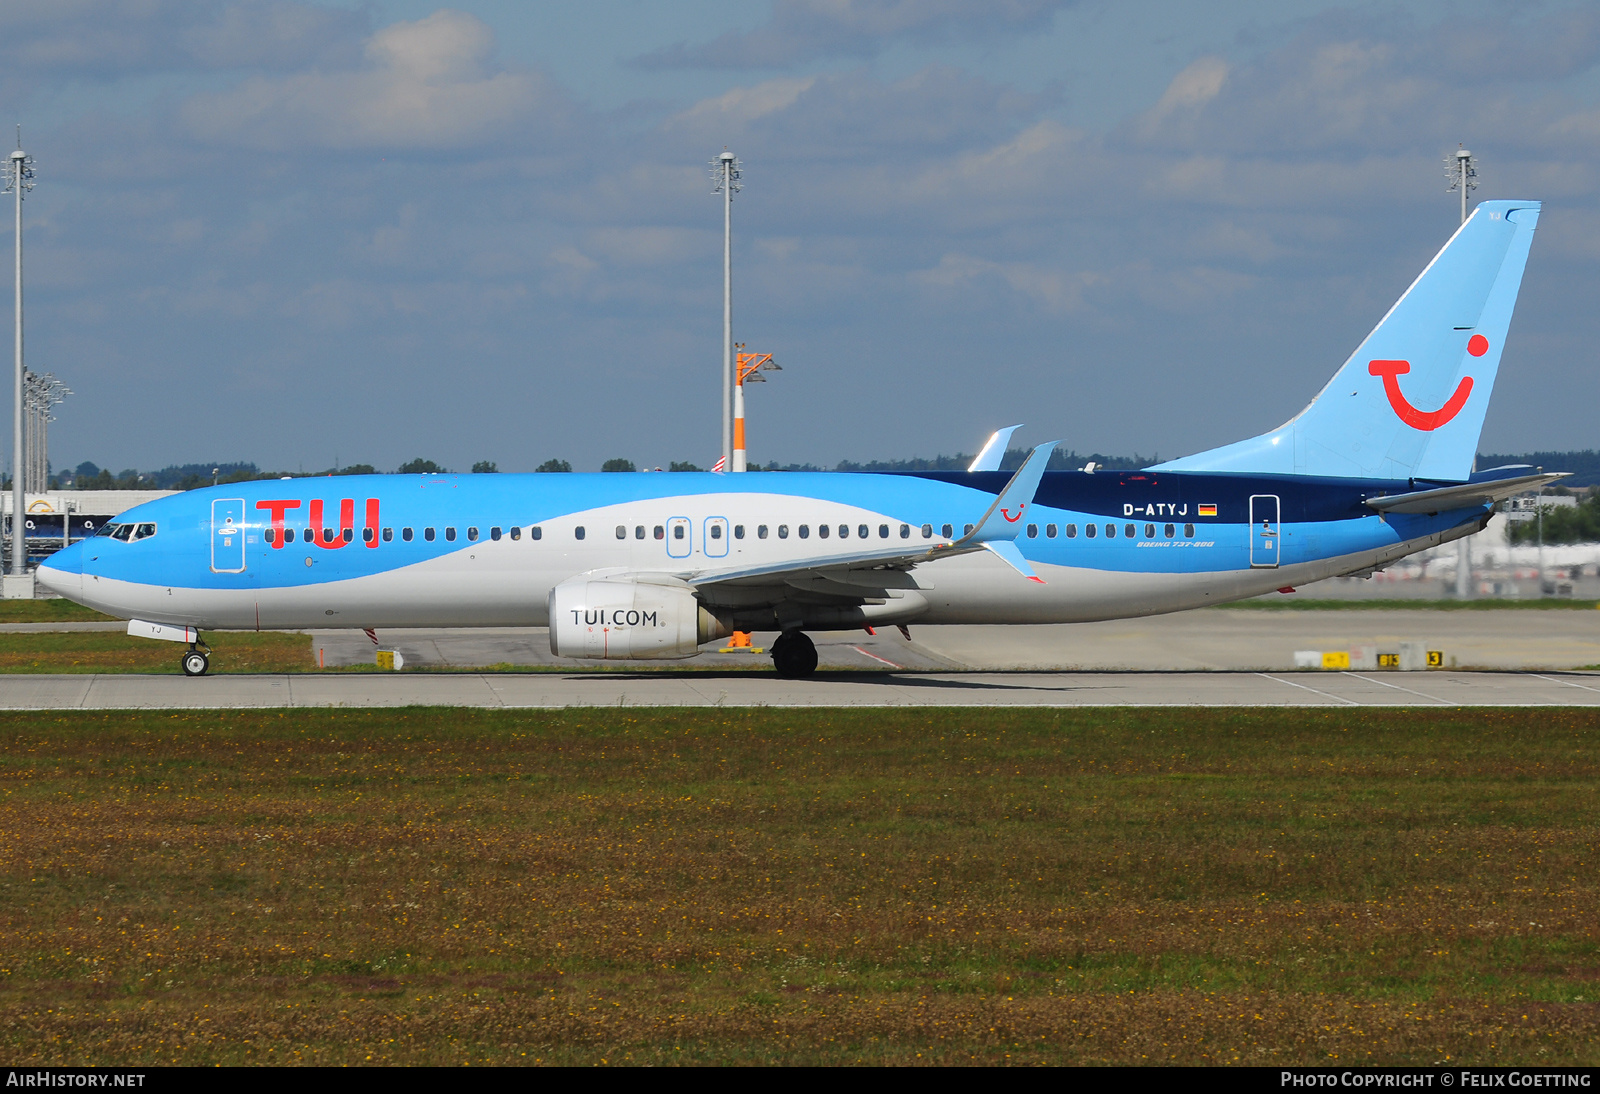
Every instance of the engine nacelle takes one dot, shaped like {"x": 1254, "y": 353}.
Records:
{"x": 628, "y": 620}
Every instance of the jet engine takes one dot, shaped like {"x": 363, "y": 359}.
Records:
{"x": 628, "y": 620}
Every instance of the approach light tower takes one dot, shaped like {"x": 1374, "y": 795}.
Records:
{"x": 725, "y": 178}
{"x": 1463, "y": 175}
{"x": 19, "y": 180}
{"x": 750, "y": 368}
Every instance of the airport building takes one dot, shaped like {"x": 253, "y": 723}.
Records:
{"x": 54, "y": 518}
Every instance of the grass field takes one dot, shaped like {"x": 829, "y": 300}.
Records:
{"x": 55, "y": 610}
{"x": 429, "y": 886}
{"x": 113, "y": 651}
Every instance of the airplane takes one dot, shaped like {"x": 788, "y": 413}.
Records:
{"x": 644, "y": 566}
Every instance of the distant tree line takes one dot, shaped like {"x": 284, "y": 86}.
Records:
{"x": 1584, "y": 465}
{"x": 1563, "y": 524}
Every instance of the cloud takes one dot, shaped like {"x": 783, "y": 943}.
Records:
{"x": 102, "y": 39}
{"x": 848, "y": 114}
{"x": 805, "y": 30}
{"x": 1189, "y": 91}
{"x": 1053, "y": 289}
{"x": 425, "y": 84}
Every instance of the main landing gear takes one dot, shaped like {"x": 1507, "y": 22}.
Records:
{"x": 794, "y": 655}
{"x": 197, "y": 660}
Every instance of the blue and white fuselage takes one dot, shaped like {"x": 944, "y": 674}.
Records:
{"x": 1378, "y": 466}
{"x": 487, "y": 550}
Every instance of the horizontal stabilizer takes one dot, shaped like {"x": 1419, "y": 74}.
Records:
{"x": 1469, "y": 495}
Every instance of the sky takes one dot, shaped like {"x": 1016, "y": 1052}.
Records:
{"x": 314, "y": 234}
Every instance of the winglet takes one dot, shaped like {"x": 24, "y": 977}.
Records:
{"x": 994, "y": 450}
{"x": 1004, "y": 519}
{"x": 1007, "y": 551}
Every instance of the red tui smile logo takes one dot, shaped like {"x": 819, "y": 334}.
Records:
{"x": 1391, "y": 371}
{"x": 1013, "y": 519}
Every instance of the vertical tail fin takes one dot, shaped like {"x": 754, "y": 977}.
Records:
{"x": 1409, "y": 403}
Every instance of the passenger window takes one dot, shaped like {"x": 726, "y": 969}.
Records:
{"x": 783, "y": 531}
{"x": 1111, "y": 531}
{"x": 863, "y": 532}
{"x": 267, "y": 536}
{"x": 927, "y": 531}
{"x": 405, "y": 534}
{"x": 427, "y": 534}
{"x": 1090, "y": 530}
{"x": 388, "y": 535}
{"x": 536, "y": 532}
{"x": 450, "y": 535}
{"x": 805, "y": 531}
{"x": 761, "y": 531}
{"x": 716, "y": 531}
{"x": 947, "y": 532}
{"x": 738, "y": 531}
{"x": 638, "y": 531}
{"x": 822, "y": 531}
{"x": 660, "y": 532}
{"x": 1049, "y": 531}
{"x": 905, "y": 531}
{"x": 1170, "y": 531}
{"x": 309, "y": 536}
{"x": 1188, "y": 531}
{"x": 966, "y": 529}
{"x": 1072, "y": 531}
{"x": 622, "y": 531}
{"x": 494, "y": 534}
{"x": 1033, "y": 531}
{"x": 1130, "y": 531}
{"x": 1149, "y": 531}
{"x": 578, "y": 532}
{"x": 472, "y": 535}
{"x": 348, "y": 535}
{"x": 288, "y": 535}
{"x": 516, "y": 531}
{"x": 368, "y": 535}
{"x": 677, "y": 531}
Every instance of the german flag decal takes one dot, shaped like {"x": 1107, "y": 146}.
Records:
{"x": 1207, "y": 510}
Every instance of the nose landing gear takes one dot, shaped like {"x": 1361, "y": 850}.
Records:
{"x": 197, "y": 661}
{"x": 794, "y": 655}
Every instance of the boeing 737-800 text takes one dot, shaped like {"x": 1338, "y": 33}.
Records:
{"x": 635, "y": 566}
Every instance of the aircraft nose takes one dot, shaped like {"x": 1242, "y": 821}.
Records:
{"x": 62, "y": 572}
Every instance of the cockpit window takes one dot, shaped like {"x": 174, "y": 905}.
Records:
{"x": 123, "y": 532}
{"x": 143, "y": 531}
{"x": 108, "y": 529}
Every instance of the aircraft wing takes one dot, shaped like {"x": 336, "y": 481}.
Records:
{"x": 867, "y": 573}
